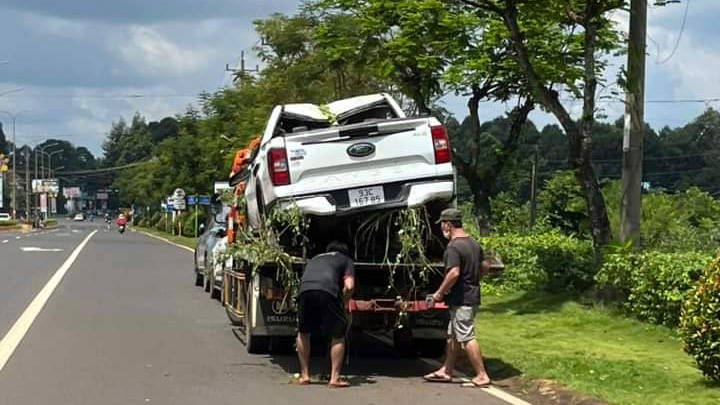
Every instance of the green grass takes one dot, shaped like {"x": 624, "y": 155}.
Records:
{"x": 592, "y": 350}
{"x": 181, "y": 240}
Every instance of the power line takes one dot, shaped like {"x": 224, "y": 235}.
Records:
{"x": 70, "y": 95}
{"x": 103, "y": 170}
{"x": 677, "y": 42}
{"x": 651, "y": 158}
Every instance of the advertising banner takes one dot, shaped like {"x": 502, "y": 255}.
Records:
{"x": 43, "y": 203}
{"x": 71, "y": 192}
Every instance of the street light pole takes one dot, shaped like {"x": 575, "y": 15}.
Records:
{"x": 14, "y": 171}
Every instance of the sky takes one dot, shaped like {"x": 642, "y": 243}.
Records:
{"x": 73, "y": 67}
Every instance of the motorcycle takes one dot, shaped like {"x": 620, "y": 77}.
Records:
{"x": 121, "y": 229}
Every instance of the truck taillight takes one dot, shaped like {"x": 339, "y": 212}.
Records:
{"x": 278, "y": 167}
{"x": 441, "y": 144}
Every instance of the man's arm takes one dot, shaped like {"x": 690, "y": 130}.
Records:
{"x": 448, "y": 282}
{"x": 348, "y": 289}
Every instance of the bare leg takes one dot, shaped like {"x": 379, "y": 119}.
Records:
{"x": 337, "y": 355}
{"x": 303, "y": 350}
{"x": 475, "y": 355}
{"x": 449, "y": 364}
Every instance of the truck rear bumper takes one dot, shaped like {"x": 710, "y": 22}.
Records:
{"x": 397, "y": 195}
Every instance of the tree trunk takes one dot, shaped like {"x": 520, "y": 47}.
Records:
{"x": 578, "y": 136}
{"x": 483, "y": 210}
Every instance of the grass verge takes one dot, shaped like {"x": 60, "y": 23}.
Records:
{"x": 180, "y": 240}
{"x": 592, "y": 350}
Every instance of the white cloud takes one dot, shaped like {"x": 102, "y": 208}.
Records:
{"x": 55, "y": 26}
{"x": 149, "y": 52}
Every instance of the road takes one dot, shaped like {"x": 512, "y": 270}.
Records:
{"x": 127, "y": 326}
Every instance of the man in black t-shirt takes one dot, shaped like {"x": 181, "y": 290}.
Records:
{"x": 460, "y": 290}
{"x": 320, "y": 307}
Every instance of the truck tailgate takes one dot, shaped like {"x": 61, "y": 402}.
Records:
{"x": 361, "y": 155}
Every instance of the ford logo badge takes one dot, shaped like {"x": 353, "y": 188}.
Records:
{"x": 361, "y": 149}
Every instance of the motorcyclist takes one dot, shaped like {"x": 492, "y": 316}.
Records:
{"x": 121, "y": 222}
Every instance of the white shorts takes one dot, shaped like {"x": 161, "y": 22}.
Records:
{"x": 462, "y": 323}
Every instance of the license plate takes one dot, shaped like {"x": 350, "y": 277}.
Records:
{"x": 361, "y": 197}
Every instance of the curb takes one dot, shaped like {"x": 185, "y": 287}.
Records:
{"x": 164, "y": 240}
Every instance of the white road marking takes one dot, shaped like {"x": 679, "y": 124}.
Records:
{"x": 170, "y": 242}
{"x": 497, "y": 393}
{"x": 17, "y": 237}
{"x": 17, "y": 332}
{"x": 5, "y": 241}
{"x": 38, "y": 249}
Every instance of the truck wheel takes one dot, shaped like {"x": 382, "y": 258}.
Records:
{"x": 198, "y": 279}
{"x": 431, "y": 347}
{"x": 231, "y": 301}
{"x": 208, "y": 286}
{"x": 403, "y": 342}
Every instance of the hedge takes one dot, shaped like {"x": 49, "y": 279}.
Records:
{"x": 8, "y": 223}
{"x": 654, "y": 283}
{"x": 550, "y": 261}
{"x": 700, "y": 322}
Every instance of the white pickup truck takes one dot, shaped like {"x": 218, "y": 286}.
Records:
{"x": 348, "y": 164}
{"x": 356, "y": 154}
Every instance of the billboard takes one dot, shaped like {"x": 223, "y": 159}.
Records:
{"x": 46, "y": 186}
{"x": 71, "y": 192}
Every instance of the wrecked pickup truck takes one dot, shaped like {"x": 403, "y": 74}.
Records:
{"x": 360, "y": 171}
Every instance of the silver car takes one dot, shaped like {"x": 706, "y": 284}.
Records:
{"x": 212, "y": 234}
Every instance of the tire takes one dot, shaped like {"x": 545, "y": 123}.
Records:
{"x": 431, "y": 347}
{"x": 198, "y": 279}
{"x": 403, "y": 342}
{"x": 215, "y": 294}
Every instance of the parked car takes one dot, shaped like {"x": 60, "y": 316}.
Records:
{"x": 206, "y": 273}
{"x": 79, "y": 217}
{"x": 4, "y": 216}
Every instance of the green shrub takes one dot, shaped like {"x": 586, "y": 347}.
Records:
{"x": 654, "y": 283}
{"x": 700, "y": 322}
{"x": 550, "y": 260}
{"x": 189, "y": 224}
{"x": 8, "y": 223}
{"x": 51, "y": 222}
{"x": 163, "y": 225}
{"x": 154, "y": 219}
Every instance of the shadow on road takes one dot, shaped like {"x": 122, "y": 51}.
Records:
{"x": 368, "y": 359}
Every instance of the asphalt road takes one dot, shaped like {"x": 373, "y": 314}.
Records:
{"x": 127, "y": 326}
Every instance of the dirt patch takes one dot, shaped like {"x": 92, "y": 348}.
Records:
{"x": 537, "y": 392}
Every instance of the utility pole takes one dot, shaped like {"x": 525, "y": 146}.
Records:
{"x": 14, "y": 151}
{"x": 533, "y": 188}
{"x": 240, "y": 73}
{"x": 634, "y": 123}
{"x": 27, "y": 183}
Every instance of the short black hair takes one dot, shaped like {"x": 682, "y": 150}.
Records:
{"x": 337, "y": 246}
{"x": 456, "y": 224}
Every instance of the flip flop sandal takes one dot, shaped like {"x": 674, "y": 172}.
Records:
{"x": 473, "y": 384}
{"x": 341, "y": 384}
{"x": 437, "y": 378}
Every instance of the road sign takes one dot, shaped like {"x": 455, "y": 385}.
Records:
{"x": 178, "y": 198}
{"x": 219, "y": 186}
{"x": 101, "y": 196}
{"x": 192, "y": 200}
{"x": 204, "y": 199}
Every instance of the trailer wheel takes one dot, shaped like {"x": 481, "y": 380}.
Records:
{"x": 403, "y": 342}
{"x": 431, "y": 347}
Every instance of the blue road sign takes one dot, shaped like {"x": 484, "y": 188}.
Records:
{"x": 191, "y": 200}
{"x": 204, "y": 199}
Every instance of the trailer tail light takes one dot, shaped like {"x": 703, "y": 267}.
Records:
{"x": 441, "y": 144}
{"x": 278, "y": 166}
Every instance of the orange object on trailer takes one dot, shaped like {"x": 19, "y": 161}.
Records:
{"x": 242, "y": 158}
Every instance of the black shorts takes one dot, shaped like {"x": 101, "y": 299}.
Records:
{"x": 319, "y": 311}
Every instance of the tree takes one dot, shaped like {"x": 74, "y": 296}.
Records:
{"x": 409, "y": 43}
{"x": 587, "y": 30}
{"x": 4, "y": 144}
